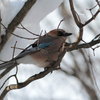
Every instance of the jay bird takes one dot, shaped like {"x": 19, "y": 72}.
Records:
{"x": 42, "y": 52}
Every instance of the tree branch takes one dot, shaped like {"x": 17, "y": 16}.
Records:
{"x": 78, "y": 23}
{"x": 98, "y": 4}
{"x": 18, "y": 35}
{"x": 75, "y": 15}
{"x": 79, "y": 38}
{"x": 15, "y": 22}
{"x": 85, "y": 45}
{"x": 92, "y": 18}
{"x": 5, "y": 72}
{"x": 34, "y": 77}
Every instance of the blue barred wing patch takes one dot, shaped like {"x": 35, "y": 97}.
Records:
{"x": 43, "y": 45}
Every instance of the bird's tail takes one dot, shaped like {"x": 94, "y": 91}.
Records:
{"x": 11, "y": 63}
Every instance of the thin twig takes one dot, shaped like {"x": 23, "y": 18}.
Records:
{"x": 98, "y": 2}
{"x": 89, "y": 46}
{"x": 6, "y": 81}
{"x": 18, "y": 48}
{"x": 5, "y": 72}
{"x": 15, "y": 75}
{"x": 85, "y": 45}
{"x": 76, "y": 19}
{"x": 96, "y": 47}
{"x": 18, "y": 35}
{"x": 27, "y": 30}
{"x": 15, "y": 62}
{"x": 3, "y": 61}
{"x": 14, "y": 50}
{"x": 92, "y": 7}
{"x": 92, "y": 18}
{"x": 92, "y": 73}
{"x": 60, "y": 23}
{"x": 39, "y": 40}
{"x": 91, "y": 10}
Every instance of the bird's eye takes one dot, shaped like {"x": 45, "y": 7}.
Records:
{"x": 60, "y": 33}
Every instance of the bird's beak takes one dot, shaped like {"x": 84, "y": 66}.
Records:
{"x": 68, "y": 34}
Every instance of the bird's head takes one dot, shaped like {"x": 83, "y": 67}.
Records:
{"x": 59, "y": 33}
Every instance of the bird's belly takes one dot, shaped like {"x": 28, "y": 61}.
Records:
{"x": 44, "y": 59}
{"x": 25, "y": 60}
{"x": 39, "y": 59}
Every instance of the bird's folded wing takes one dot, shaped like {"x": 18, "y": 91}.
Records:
{"x": 35, "y": 47}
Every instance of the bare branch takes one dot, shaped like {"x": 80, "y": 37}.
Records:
{"x": 15, "y": 75}
{"x": 60, "y": 23}
{"x": 5, "y": 72}
{"x": 27, "y": 30}
{"x": 34, "y": 77}
{"x": 75, "y": 15}
{"x": 18, "y": 35}
{"x": 85, "y": 45}
{"x": 79, "y": 38}
{"x": 6, "y": 81}
{"x": 14, "y": 50}
{"x": 92, "y": 18}
{"x": 78, "y": 23}
{"x": 98, "y": 2}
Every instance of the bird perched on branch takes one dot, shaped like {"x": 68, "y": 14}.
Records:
{"x": 42, "y": 52}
